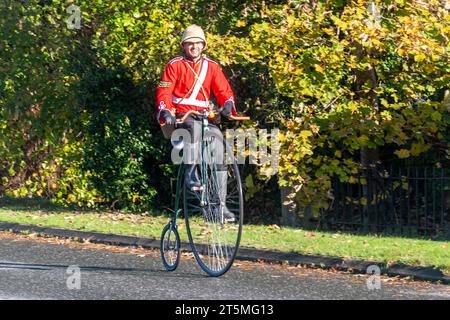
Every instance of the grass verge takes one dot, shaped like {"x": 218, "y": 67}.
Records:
{"x": 383, "y": 249}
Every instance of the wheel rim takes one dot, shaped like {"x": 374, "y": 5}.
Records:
{"x": 170, "y": 247}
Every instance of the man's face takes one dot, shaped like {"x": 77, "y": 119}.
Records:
{"x": 193, "y": 49}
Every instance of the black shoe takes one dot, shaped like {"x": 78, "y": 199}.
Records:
{"x": 228, "y": 216}
{"x": 222, "y": 214}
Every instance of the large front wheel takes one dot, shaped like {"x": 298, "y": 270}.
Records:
{"x": 214, "y": 214}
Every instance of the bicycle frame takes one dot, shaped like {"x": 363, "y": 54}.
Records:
{"x": 178, "y": 193}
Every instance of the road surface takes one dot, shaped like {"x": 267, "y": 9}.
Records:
{"x": 37, "y": 268}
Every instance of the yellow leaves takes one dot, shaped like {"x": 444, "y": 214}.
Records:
{"x": 134, "y": 197}
{"x": 375, "y": 42}
{"x": 435, "y": 57}
{"x": 352, "y": 180}
{"x": 386, "y": 115}
{"x": 328, "y": 31}
{"x": 341, "y": 24}
{"x": 418, "y": 147}
{"x": 405, "y": 20}
{"x": 251, "y": 187}
{"x": 364, "y": 201}
{"x": 402, "y": 153}
{"x": 420, "y": 57}
{"x": 353, "y": 107}
{"x": 319, "y": 68}
{"x": 66, "y": 149}
{"x": 363, "y": 140}
{"x": 306, "y": 150}
{"x": 241, "y": 23}
{"x": 23, "y": 192}
{"x": 305, "y": 134}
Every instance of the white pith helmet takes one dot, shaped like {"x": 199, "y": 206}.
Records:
{"x": 194, "y": 32}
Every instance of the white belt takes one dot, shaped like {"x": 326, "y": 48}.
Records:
{"x": 190, "y": 101}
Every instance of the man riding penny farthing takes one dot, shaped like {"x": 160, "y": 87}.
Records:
{"x": 209, "y": 185}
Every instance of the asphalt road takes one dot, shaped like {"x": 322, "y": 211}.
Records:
{"x": 36, "y": 269}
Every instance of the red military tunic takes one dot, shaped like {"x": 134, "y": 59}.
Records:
{"x": 180, "y": 91}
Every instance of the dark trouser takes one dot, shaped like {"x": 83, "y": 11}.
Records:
{"x": 194, "y": 155}
{"x": 193, "y": 124}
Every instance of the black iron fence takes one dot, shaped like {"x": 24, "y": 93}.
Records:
{"x": 402, "y": 200}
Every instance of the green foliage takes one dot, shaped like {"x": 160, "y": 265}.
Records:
{"x": 81, "y": 90}
{"x": 359, "y": 80}
{"x": 341, "y": 77}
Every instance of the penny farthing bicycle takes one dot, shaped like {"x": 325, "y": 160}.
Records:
{"x": 213, "y": 237}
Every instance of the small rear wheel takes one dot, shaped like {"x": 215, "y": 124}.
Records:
{"x": 170, "y": 247}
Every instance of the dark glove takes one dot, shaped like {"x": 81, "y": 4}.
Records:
{"x": 167, "y": 116}
{"x": 227, "y": 109}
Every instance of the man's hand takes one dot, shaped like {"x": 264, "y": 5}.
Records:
{"x": 167, "y": 116}
{"x": 227, "y": 109}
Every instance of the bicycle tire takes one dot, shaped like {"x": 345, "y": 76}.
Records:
{"x": 215, "y": 260}
{"x": 169, "y": 248}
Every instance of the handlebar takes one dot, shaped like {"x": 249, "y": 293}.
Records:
{"x": 206, "y": 113}
{"x": 168, "y": 129}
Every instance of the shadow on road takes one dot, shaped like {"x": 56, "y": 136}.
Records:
{"x": 148, "y": 272}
